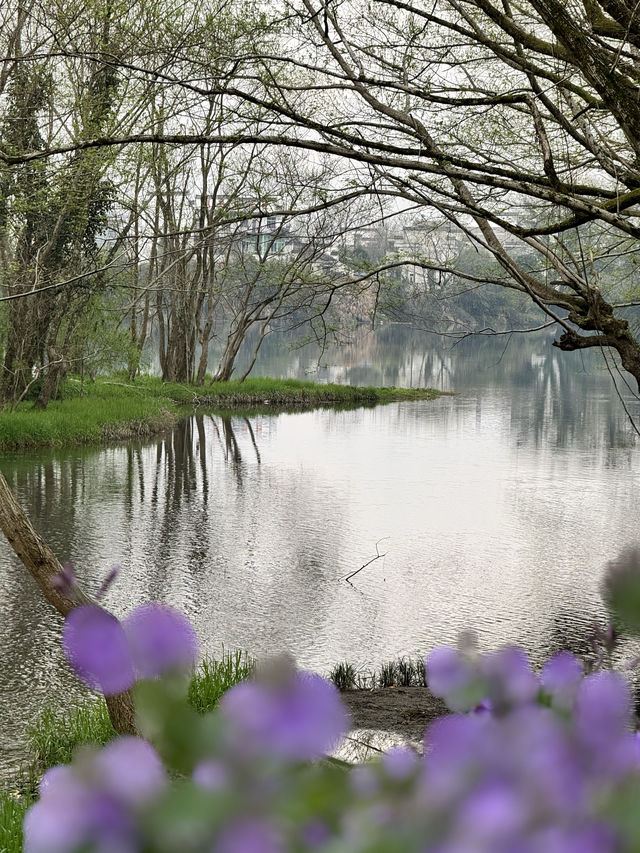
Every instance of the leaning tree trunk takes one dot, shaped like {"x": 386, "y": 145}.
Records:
{"x": 43, "y": 565}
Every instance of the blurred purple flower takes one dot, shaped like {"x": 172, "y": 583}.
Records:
{"x": 544, "y": 758}
{"x": 106, "y": 583}
{"x": 561, "y": 678}
{"x": 130, "y": 770}
{"x": 72, "y": 815}
{"x": 363, "y": 781}
{"x": 400, "y": 763}
{"x": 211, "y": 774}
{"x": 160, "y": 639}
{"x": 300, "y": 719}
{"x": 315, "y": 833}
{"x": 251, "y": 835}
{"x": 494, "y": 813}
{"x": 453, "y": 751}
{"x": 96, "y": 646}
{"x": 607, "y": 637}
{"x": 454, "y": 738}
{"x": 510, "y": 679}
{"x": 590, "y": 838}
{"x": 56, "y": 827}
{"x": 112, "y": 827}
{"x": 449, "y": 676}
{"x": 58, "y": 822}
{"x": 56, "y": 777}
{"x": 603, "y": 707}
{"x": 109, "y": 655}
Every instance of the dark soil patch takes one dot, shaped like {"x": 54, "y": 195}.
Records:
{"x": 405, "y": 711}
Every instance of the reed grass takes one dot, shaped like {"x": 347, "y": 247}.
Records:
{"x": 12, "y": 810}
{"x": 402, "y": 672}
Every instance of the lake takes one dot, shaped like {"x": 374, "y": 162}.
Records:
{"x": 493, "y": 510}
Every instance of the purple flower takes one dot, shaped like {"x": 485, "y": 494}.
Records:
{"x": 453, "y": 748}
{"x": 96, "y": 646}
{"x": 561, "y": 677}
{"x": 450, "y": 676}
{"x": 494, "y": 812}
{"x": 590, "y": 838}
{"x": 400, "y": 763}
{"x": 364, "y": 782}
{"x": 56, "y": 778}
{"x": 65, "y": 580}
{"x": 211, "y": 774}
{"x": 58, "y": 822}
{"x": 315, "y": 833}
{"x": 106, "y": 583}
{"x": 160, "y": 639}
{"x": 251, "y": 835}
{"x": 509, "y": 677}
{"x": 603, "y": 708}
{"x": 130, "y": 770}
{"x": 72, "y": 814}
{"x": 543, "y": 757}
{"x": 299, "y": 719}
{"x": 109, "y": 656}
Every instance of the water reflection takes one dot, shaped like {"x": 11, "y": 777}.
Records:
{"x": 554, "y": 397}
{"x": 501, "y": 504}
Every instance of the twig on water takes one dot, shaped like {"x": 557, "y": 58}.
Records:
{"x": 363, "y": 743}
{"x": 372, "y": 560}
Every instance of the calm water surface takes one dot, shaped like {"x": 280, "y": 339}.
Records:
{"x": 495, "y": 510}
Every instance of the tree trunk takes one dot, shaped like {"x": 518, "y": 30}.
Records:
{"x": 227, "y": 361}
{"x": 43, "y": 565}
{"x": 49, "y": 387}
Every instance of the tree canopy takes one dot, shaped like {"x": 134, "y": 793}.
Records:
{"x": 518, "y": 123}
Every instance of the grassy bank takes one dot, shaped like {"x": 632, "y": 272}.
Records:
{"x": 113, "y": 409}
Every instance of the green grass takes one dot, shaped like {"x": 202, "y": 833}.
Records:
{"x": 291, "y": 392}
{"x": 92, "y": 414}
{"x": 113, "y": 409}
{"x": 54, "y": 735}
{"x": 12, "y": 809}
{"x": 344, "y": 676}
{"x": 214, "y": 677}
{"x": 402, "y": 672}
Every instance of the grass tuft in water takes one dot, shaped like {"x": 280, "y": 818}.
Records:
{"x": 344, "y": 676}
{"x": 407, "y": 673}
{"x": 214, "y": 677}
{"x": 388, "y": 675}
{"x": 403, "y": 672}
